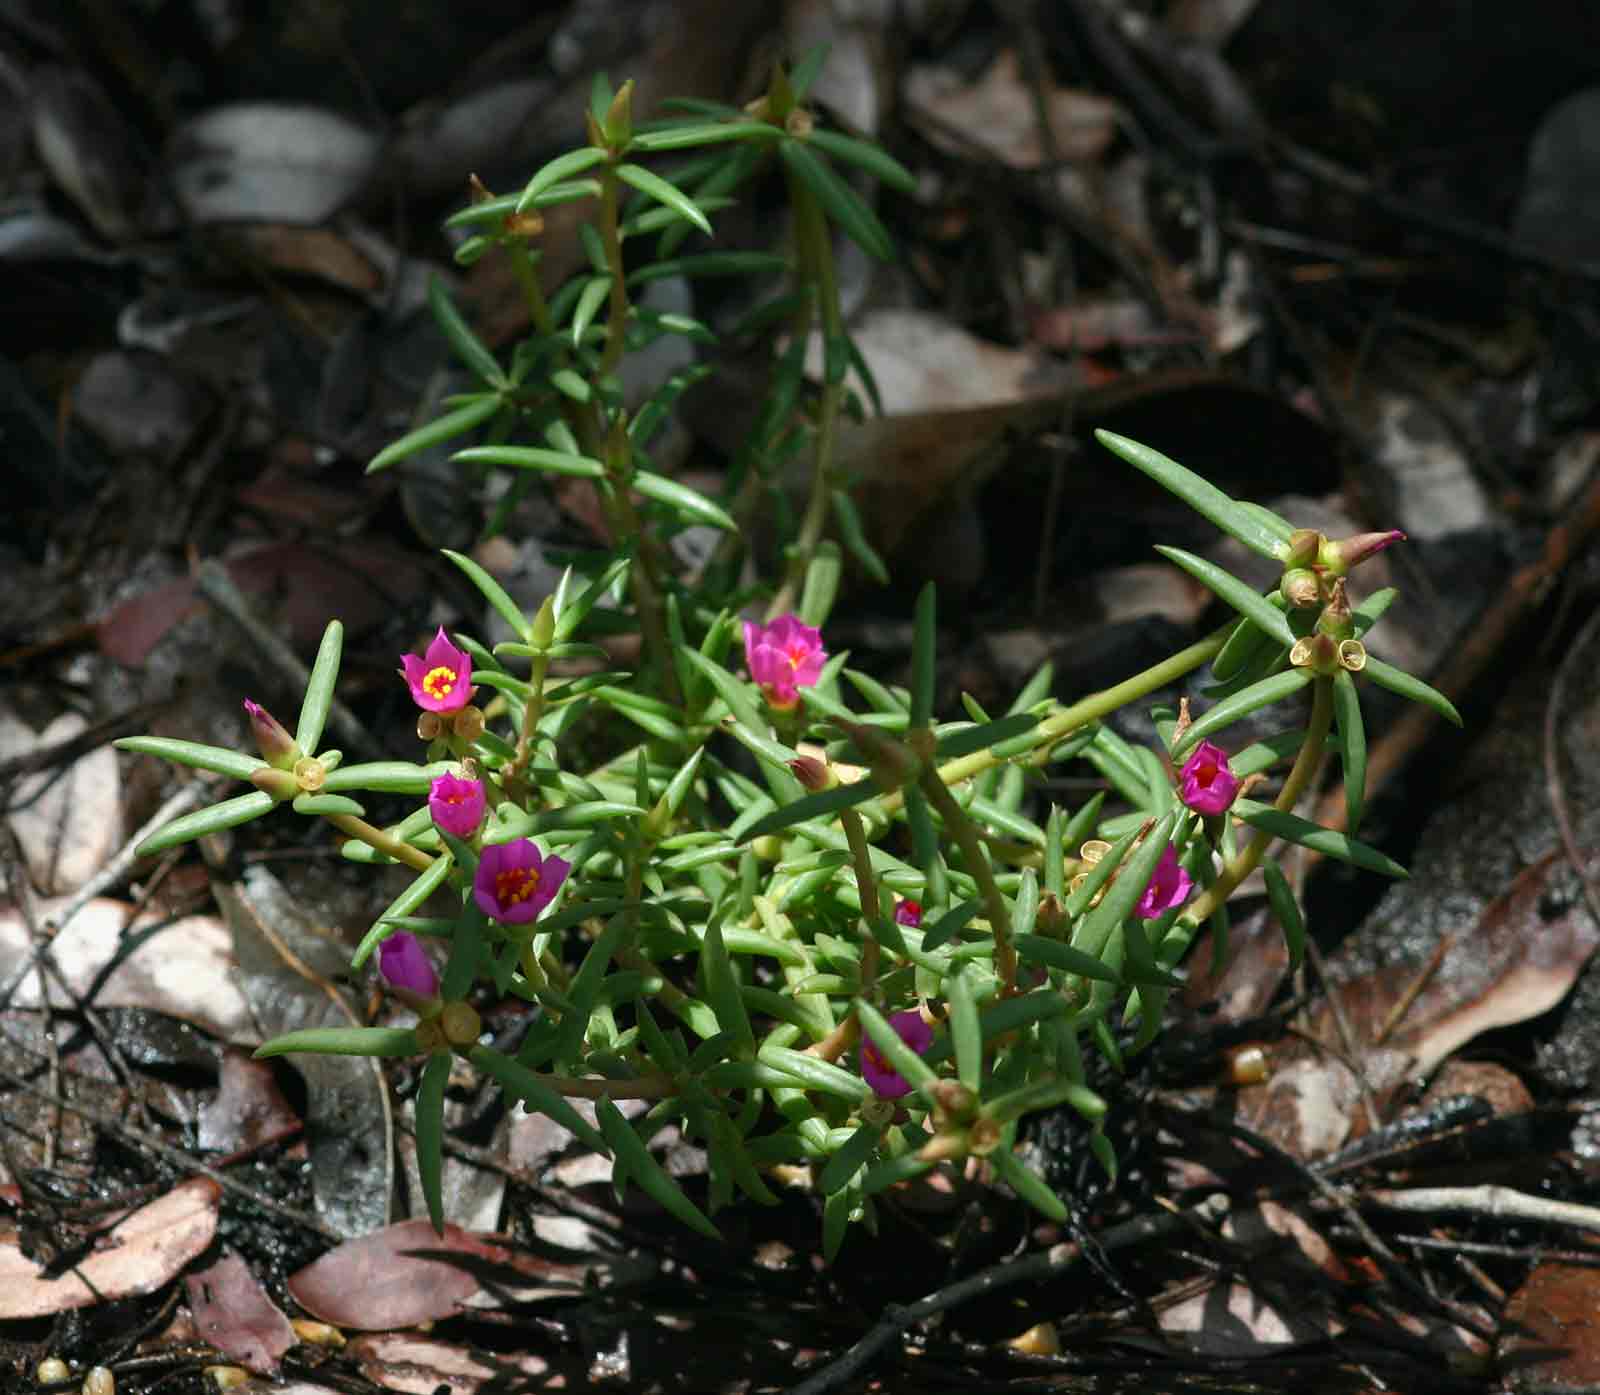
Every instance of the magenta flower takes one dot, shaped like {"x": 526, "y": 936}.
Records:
{"x": 277, "y": 747}
{"x": 908, "y": 912}
{"x": 515, "y": 881}
{"x": 783, "y": 657}
{"x": 1209, "y": 785}
{"x": 886, "y": 1082}
{"x": 405, "y": 966}
{"x": 1169, "y": 886}
{"x": 456, "y": 805}
{"x": 441, "y": 681}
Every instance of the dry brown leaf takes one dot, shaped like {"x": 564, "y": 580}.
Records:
{"x": 137, "y": 1255}
{"x": 184, "y": 969}
{"x": 997, "y": 113}
{"x": 1551, "y": 1341}
{"x": 233, "y": 1312}
{"x": 68, "y": 821}
{"x": 420, "y": 1366}
{"x": 1519, "y": 960}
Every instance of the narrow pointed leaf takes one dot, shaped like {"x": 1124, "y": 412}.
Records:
{"x": 441, "y": 429}
{"x": 815, "y": 1073}
{"x": 905, "y": 1062}
{"x": 866, "y": 156}
{"x": 495, "y": 594}
{"x": 966, "y": 1033}
{"x": 1263, "y": 694}
{"x": 430, "y": 1135}
{"x": 471, "y": 350}
{"x": 1413, "y": 689}
{"x": 688, "y": 504}
{"x": 641, "y": 1166}
{"x": 823, "y": 804}
{"x": 1326, "y": 841}
{"x": 665, "y": 193}
{"x": 1280, "y": 895}
{"x": 593, "y": 297}
{"x": 1352, "y": 748}
{"x": 849, "y": 1160}
{"x": 521, "y": 1083}
{"x": 1202, "y": 496}
{"x": 553, "y": 462}
{"x": 1040, "y": 950}
{"x": 1242, "y": 597}
{"x": 228, "y": 814}
{"x": 193, "y": 754}
{"x": 562, "y": 167}
{"x": 704, "y": 133}
{"x": 961, "y": 743}
{"x": 1027, "y": 1184}
{"x": 343, "y": 1041}
{"x": 711, "y": 264}
{"x": 841, "y": 203}
{"x": 425, "y": 884}
{"x": 319, "y": 689}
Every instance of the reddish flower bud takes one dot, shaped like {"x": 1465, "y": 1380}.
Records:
{"x": 277, "y": 747}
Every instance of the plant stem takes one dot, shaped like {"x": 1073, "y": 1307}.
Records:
{"x": 611, "y": 240}
{"x": 966, "y": 835}
{"x": 1066, "y": 720}
{"x": 364, "y": 832}
{"x": 867, "y": 887}
{"x": 1305, "y": 766}
{"x": 526, "y": 271}
{"x": 816, "y": 256}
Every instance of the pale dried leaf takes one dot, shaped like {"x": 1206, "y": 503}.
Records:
{"x": 184, "y": 969}
{"x": 67, "y": 819}
{"x": 137, "y": 1255}
{"x": 233, "y": 1312}
{"x": 270, "y": 162}
{"x": 998, "y": 114}
{"x": 420, "y": 1366}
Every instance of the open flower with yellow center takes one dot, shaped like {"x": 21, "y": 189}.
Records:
{"x": 783, "y": 657}
{"x": 515, "y": 881}
{"x": 440, "y": 681}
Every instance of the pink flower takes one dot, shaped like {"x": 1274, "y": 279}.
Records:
{"x": 456, "y": 805}
{"x": 908, "y": 912}
{"x": 1169, "y": 886}
{"x": 1209, "y": 786}
{"x": 783, "y": 657}
{"x": 441, "y": 681}
{"x": 277, "y": 747}
{"x": 515, "y": 881}
{"x": 405, "y": 966}
{"x": 876, "y": 1071}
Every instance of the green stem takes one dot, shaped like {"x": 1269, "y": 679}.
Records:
{"x": 867, "y": 887}
{"x": 816, "y": 257}
{"x": 526, "y": 271}
{"x": 966, "y": 835}
{"x": 611, "y": 240}
{"x": 1066, "y": 720}
{"x": 364, "y": 832}
{"x": 1305, "y": 766}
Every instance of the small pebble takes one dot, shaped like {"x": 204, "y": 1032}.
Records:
{"x": 99, "y": 1381}
{"x": 51, "y": 1370}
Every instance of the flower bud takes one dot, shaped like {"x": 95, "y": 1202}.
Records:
{"x": 277, "y": 747}
{"x": 1352, "y": 655}
{"x": 1305, "y": 547}
{"x": 406, "y": 967}
{"x": 430, "y": 726}
{"x": 1316, "y": 652}
{"x": 280, "y": 784}
{"x": 619, "y": 117}
{"x": 813, "y": 774}
{"x": 1336, "y": 620}
{"x": 1341, "y": 556}
{"x": 470, "y": 723}
{"x": 1300, "y": 587}
{"x": 543, "y": 633}
{"x": 460, "y": 1024}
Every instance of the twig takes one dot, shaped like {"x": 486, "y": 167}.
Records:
{"x": 1553, "y": 783}
{"x": 1491, "y": 1200}
{"x": 213, "y": 582}
{"x": 1039, "y": 1268}
{"x": 119, "y": 866}
{"x": 176, "y": 1156}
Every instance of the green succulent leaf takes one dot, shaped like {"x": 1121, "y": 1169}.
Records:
{"x": 1293, "y": 829}
{"x": 191, "y": 753}
{"x": 319, "y": 689}
{"x": 436, "y": 432}
{"x": 1247, "y": 525}
{"x": 213, "y": 819}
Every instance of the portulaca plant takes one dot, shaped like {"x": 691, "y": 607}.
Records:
{"x": 779, "y": 901}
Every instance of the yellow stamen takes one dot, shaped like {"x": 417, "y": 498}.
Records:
{"x": 438, "y": 682}
{"x": 515, "y": 885}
